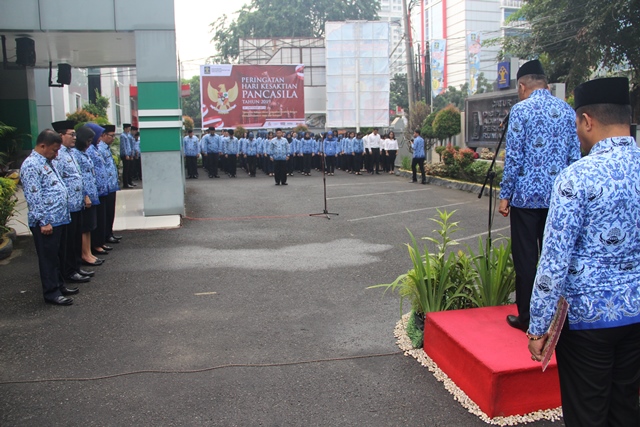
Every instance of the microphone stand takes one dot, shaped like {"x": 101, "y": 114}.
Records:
{"x": 325, "y": 211}
{"x": 491, "y": 175}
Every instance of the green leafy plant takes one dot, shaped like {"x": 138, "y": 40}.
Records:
{"x": 8, "y": 201}
{"x": 495, "y": 279}
{"x": 406, "y": 163}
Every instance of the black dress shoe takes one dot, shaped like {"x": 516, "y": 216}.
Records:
{"x": 113, "y": 236}
{"x": 86, "y": 273}
{"x": 107, "y": 248}
{"x": 77, "y": 278}
{"x": 69, "y": 291}
{"x": 412, "y": 181}
{"x": 132, "y": 184}
{"x": 515, "y": 322}
{"x": 112, "y": 240}
{"x": 60, "y": 301}
{"x": 94, "y": 264}
{"x": 284, "y": 183}
{"x": 102, "y": 252}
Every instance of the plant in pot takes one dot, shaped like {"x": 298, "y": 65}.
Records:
{"x": 8, "y": 201}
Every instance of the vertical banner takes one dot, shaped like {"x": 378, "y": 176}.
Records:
{"x": 438, "y": 51}
{"x": 253, "y": 96}
{"x": 473, "y": 49}
{"x": 504, "y": 75}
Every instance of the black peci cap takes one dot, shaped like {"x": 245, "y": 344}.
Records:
{"x": 531, "y": 67}
{"x": 109, "y": 128}
{"x": 134, "y": 127}
{"x": 64, "y": 125}
{"x": 126, "y": 125}
{"x": 614, "y": 90}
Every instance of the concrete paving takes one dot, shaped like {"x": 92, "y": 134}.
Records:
{"x": 249, "y": 278}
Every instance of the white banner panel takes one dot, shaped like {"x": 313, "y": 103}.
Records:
{"x": 358, "y": 77}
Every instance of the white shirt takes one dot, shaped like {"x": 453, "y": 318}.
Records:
{"x": 391, "y": 144}
{"x": 373, "y": 140}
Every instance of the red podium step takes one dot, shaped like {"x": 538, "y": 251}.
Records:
{"x": 489, "y": 361}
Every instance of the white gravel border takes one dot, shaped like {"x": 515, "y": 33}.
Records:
{"x": 404, "y": 343}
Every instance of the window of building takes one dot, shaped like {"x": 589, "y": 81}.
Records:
{"x": 118, "y": 103}
{"x": 78, "y": 99}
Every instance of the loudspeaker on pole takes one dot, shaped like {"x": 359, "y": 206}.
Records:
{"x": 25, "y": 52}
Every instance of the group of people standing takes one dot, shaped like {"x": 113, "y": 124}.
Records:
{"x": 70, "y": 181}
{"x": 303, "y": 152}
{"x": 575, "y": 233}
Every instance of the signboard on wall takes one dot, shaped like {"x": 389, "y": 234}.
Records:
{"x": 252, "y": 96}
{"x": 484, "y": 113}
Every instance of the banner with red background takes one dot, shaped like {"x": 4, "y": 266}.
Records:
{"x": 252, "y": 96}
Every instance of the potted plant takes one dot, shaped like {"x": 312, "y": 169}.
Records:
{"x": 8, "y": 201}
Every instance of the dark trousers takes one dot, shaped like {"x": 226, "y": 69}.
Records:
{"x": 280, "y": 171}
{"x": 251, "y": 163}
{"x": 375, "y": 160}
{"x": 347, "y": 162}
{"x": 71, "y": 246}
{"x": 213, "y": 163}
{"x": 192, "y": 166}
{"x": 527, "y": 230}
{"x": 331, "y": 164}
{"x": 357, "y": 162}
{"x": 126, "y": 171}
{"x": 110, "y": 212}
{"x": 137, "y": 168}
{"x": 49, "y": 253}
{"x": 97, "y": 235}
{"x": 306, "y": 162}
{"x": 599, "y": 372}
{"x": 391, "y": 159}
{"x": 418, "y": 162}
{"x": 368, "y": 162}
{"x": 231, "y": 164}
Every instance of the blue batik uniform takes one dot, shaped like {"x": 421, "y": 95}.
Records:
{"x": 279, "y": 148}
{"x": 591, "y": 251}
{"x": 110, "y": 164}
{"x": 331, "y": 146}
{"x": 541, "y": 142}
{"x": 418, "y": 148}
{"x": 102, "y": 176}
{"x": 45, "y": 192}
{"x": 191, "y": 146}
{"x": 126, "y": 144}
{"x": 69, "y": 171}
{"x": 307, "y": 146}
{"x": 135, "y": 147}
{"x": 358, "y": 145}
{"x": 232, "y": 146}
{"x": 347, "y": 145}
{"x": 88, "y": 175}
{"x": 251, "y": 147}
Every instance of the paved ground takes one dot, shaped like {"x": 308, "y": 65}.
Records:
{"x": 250, "y": 278}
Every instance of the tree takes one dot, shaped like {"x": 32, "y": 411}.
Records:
{"x": 446, "y": 125}
{"x": 187, "y": 122}
{"x": 283, "y": 19}
{"x": 398, "y": 92}
{"x": 191, "y": 104}
{"x": 427, "y": 131}
{"x": 99, "y": 107}
{"x": 416, "y": 118}
{"x": 573, "y": 41}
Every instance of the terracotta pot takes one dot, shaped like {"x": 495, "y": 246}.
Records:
{"x": 6, "y": 247}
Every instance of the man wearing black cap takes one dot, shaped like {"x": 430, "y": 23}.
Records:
{"x": 69, "y": 171}
{"x": 591, "y": 256}
{"x": 136, "y": 160}
{"x": 541, "y": 142}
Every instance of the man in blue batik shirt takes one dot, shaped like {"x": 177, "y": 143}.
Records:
{"x": 591, "y": 256}
{"x": 47, "y": 201}
{"x": 541, "y": 142}
{"x": 279, "y": 153}
{"x": 191, "y": 147}
{"x": 126, "y": 156}
{"x": 419, "y": 157}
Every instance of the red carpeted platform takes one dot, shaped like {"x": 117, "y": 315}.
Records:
{"x": 490, "y": 361}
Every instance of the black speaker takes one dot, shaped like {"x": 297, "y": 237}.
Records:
{"x": 25, "y": 52}
{"x": 64, "y": 74}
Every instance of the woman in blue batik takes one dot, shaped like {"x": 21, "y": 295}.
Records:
{"x": 84, "y": 135}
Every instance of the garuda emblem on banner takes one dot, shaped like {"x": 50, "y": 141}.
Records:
{"x": 223, "y": 97}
